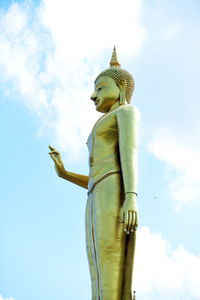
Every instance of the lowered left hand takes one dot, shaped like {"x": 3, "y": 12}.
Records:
{"x": 130, "y": 213}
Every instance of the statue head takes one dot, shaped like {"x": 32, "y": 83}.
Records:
{"x": 112, "y": 85}
{"x": 119, "y": 75}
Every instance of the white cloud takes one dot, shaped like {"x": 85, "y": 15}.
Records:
{"x": 2, "y": 298}
{"x": 163, "y": 273}
{"x": 51, "y": 54}
{"x": 85, "y": 25}
{"x": 183, "y": 162}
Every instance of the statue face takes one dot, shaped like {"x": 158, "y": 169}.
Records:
{"x": 105, "y": 94}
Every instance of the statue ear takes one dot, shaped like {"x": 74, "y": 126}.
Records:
{"x": 122, "y": 93}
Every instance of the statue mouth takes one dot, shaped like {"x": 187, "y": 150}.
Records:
{"x": 97, "y": 101}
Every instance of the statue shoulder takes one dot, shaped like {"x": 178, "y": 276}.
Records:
{"x": 128, "y": 112}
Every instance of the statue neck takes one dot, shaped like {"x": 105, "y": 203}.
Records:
{"x": 115, "y": 106}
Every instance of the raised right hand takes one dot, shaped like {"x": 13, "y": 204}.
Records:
{"x": 56, "y": 157}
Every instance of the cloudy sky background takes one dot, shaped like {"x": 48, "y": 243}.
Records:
{"x": 50, "y": 53}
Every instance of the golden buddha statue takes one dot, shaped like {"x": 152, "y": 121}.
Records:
{"x": 111, "y": 210}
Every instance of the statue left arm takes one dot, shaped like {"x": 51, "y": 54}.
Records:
{"x": 127, "y": 121}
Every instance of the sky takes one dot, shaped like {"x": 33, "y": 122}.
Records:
{"x": 50, "y": 54}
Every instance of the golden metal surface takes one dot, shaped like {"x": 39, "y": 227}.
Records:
{"x": 110, "y": 251}
{"x": 114, "y": 60}
{"x": 111, "y": 210}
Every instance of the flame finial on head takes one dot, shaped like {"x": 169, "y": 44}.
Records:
{"x": 114, "y": 62}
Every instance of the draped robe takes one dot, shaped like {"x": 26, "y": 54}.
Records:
{"x": 112, "y": 159}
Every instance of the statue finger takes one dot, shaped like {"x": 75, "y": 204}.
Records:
{"x": 126, "y": 222}
{"x": 130, "y": 220}
{"x": 55, "y": 152}
{"x": 51, "y": 148}
{"x": 135, "y": 222}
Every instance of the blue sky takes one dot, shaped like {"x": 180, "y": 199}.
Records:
{"x": 50, "y": 54}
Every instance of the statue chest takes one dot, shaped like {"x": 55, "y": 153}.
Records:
{"x": 104, "y": 133}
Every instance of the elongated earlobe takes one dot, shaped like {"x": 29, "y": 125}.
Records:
{"x": 122, "y": 94}
{"x": 122, "y": 98}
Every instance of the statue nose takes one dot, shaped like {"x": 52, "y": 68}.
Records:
{"x": 93, "y": 97}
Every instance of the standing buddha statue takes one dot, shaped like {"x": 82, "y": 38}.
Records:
{"x": 111, "y": 210}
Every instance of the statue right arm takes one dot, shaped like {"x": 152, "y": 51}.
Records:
{"x": 78, "y": 179}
